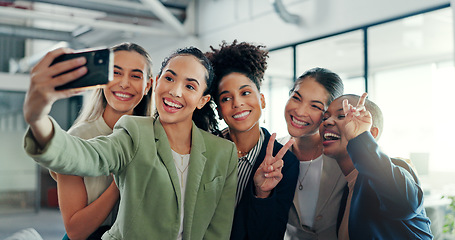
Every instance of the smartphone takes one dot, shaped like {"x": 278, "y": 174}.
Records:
{"x": 100, "y": 68}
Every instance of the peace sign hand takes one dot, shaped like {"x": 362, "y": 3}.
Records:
{"x": 358, "y": 119}
{"x": 268, "y": 174}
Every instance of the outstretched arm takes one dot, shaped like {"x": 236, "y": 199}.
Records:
{"x": 80, "y": 218}
{"x": 42, "y": 94}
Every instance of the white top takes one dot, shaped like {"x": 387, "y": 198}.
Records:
{"x": 95, "y": 186}
{"x": 308, "y": 196}
{"x": 182, "y": 163}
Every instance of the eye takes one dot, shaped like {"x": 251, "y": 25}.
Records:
{"x": 246, "y": 93}
{"x": 317, "y": 107}
{"x": 117, "y": 73}
{"x": 190, "y": 87}
{"x": 341, "y": 116}
{"x": 225, "y": 99}
{"x": 137, "y": 76}
{"x": 168, "y": 78}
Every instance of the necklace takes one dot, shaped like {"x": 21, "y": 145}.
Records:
{"x": 304, "y": 175}
{"x": 181, "y": 164}
{"x": 309, "y": 165}
{"x": 241, "y": 153}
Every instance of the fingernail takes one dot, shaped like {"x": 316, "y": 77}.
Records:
{"x": 265, "y": 174}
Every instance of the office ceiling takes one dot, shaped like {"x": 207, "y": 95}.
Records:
{"x": 85, "y": 23}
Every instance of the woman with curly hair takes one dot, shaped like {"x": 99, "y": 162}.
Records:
{"x": 267, "y": 174}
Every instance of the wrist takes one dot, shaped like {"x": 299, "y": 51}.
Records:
{"x": 261, "y": 194}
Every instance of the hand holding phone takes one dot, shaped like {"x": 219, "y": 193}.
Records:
{"x": 100, "y": 68}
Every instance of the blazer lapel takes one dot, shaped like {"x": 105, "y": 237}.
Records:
{"x": 164, "y": 153}
{"x": 195, "y": 171}
{"x": 329, "y": 178}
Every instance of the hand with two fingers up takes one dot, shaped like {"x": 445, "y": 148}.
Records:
{"x": 358, "y": 119}
{"x": 268, "y": 174}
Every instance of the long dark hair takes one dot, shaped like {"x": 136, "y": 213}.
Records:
{"x": 205, "y": 117}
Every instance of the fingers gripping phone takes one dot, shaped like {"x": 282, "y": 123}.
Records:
{"x": 100, "y": 68}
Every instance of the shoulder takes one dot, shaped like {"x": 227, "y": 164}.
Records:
{"x": 85, "y": 130}
{"x": 406, "y": 164}
{"x": 133, "y": 123}
{"x": 284, "y": 140}
{"x": 212, "y": 140}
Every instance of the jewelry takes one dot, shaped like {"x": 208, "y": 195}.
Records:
{"x": 309, "y": 165}
{"x": 241, "y": 153}
{"x": 300, "y": 181}
{"x": 180, "y": 170}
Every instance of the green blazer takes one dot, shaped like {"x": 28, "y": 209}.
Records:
{"x": 139, "y": 155}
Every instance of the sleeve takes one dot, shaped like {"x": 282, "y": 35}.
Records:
{"x": 221, "y": 223}
{"x": 267, "y": 217}
{"x": 68, "y": 154}
{"x": 397, "y": 188}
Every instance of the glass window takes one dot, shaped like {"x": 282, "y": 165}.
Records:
{"x": 278, "y": 81}
{"x": 342, "y": 54}
{"x": 411, "y": 80}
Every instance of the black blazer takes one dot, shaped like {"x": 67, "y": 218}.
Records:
{"x": 261, "y": 219}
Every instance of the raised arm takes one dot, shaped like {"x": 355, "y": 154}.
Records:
{"x": 42, "y": 94}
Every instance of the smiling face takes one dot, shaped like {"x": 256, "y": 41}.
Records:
{"x": 334, "y": 142}
{"x": 239, "y": 102}
{"x": 129, "y": 85}
{"x": 305, "y": 107}
{"x": 179, "y": 90}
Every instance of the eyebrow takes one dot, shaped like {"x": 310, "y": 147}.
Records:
{"x": 241, "y": 87}
{"x": 188, "y": 79}
{"x": 134, "y": 70}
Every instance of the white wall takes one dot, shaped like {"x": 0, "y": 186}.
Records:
{"x": 213, "y": 21}
{"x": 256, "y": 21}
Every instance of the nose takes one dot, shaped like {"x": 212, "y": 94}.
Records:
{"x": 302, "y": 110}
{"x": 329, "y": 122}
{"x": 236, "y": 102}
{"x": 176, "y": 91}
{"x": 124, "y": 82}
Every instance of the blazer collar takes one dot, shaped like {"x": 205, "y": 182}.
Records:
{"x": 195, "y": 170}
{"x": 330, "y": 176}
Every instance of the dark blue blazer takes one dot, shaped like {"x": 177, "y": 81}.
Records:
{"x": 387, "y": 202}
{"x": 262, "y": 219}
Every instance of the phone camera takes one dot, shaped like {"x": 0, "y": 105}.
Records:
{"x": 100, "y": 57}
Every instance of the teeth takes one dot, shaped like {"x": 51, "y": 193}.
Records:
{"x": 299, "y": 122}
{"x": 241, "y": 115}
{"x": 172, "y": 104}
{"x": 332, "y": 136}
{"x": 122, "y": 95}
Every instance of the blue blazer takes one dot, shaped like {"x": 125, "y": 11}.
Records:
{"x": 261, "y": 219}
{"x": 387, "y": 202}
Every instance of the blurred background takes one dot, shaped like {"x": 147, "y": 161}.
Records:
{"x": 399, "y": 51}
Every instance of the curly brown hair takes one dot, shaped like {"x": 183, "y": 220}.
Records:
{"x": 242, "y": 57}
